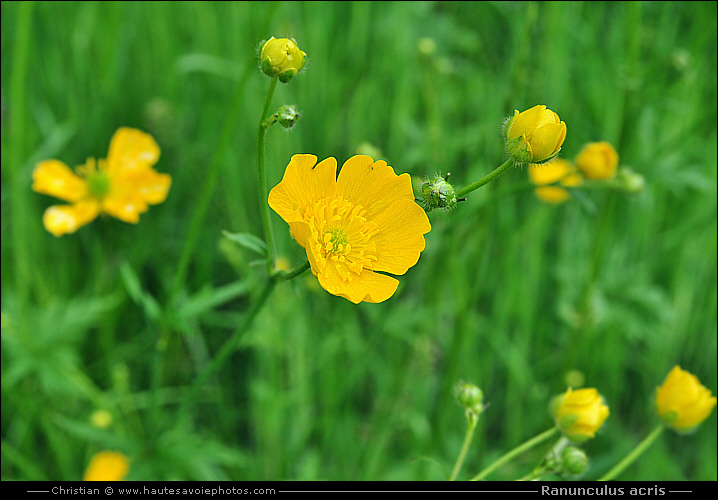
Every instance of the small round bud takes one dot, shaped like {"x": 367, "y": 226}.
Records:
{"x": 426, "y": 46}
{"x": 630, "y": 181}
{"x": 282, "y": 58}
{"x": 101, "y": 419}
{"x": 574, "y": 378}
{"x": 534, "y": 135}
{"x": 470, "y": 397}
{"x": 437, "y": 193}
{"x": 287, "y": 116}
{"x": 574, "y": 461}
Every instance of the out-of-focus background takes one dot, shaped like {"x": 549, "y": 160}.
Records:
{"x": 515, "y": 295}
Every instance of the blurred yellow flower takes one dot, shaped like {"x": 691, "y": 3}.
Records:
{"x": 558, "y": 170}
{"x": 122, "y": 186}
{"x": 107, "y": 466}
{"x": 579, "y": 414}
{"x": 364, "y": 221}
{"x": 597, "y": 160}
{"x": 682, "y": 402}
{"x": 534, "y": 135}
{"x": 281, "y": 58}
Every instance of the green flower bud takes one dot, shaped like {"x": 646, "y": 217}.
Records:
{"x": 287, "y": 116}
{"x": 470, "y": 397}
{"x": 574, "y": 461}
{"x": 630, "y": 181}
{"x": 437, "y": 193}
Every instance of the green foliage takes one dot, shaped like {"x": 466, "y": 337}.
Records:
{"x": 510, "y": 293}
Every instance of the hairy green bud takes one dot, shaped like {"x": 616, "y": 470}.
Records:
{"x": 438, "y": 193}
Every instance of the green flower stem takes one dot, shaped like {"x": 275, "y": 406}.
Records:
{"x": 233, "y": 342}
{"x": 207, "y": 193}
{"x": 631, "y": 457}
{"x": 470, "y": 427}
{"x": 228, "y": 348}
{"x": 516, "y": 451}
{"x": 286, "y": 276}
{"x": 498, "y": 172}
{"x": 264, "y": 207}
{"x": 18, "y": 151}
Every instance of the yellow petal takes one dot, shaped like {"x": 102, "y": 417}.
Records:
{"x": 526, "y": 122}
{"x": 367, "y": 286}
{"x": 54, "y": 178}
{"x": 131, "y": 149}
{"x": 548, "y": 173}
{"x": 401, "y": 237}
{"x": 150, "y": 185}
{"x": 126, "y": 207}
{"x": 552, "y": 194}
{"x": 107, "y": 466}
{"x": 547, "y": 140}
{"x": 373, "y": 185}
{"x": 303, "y": 185}
{"x": 66, "y": 219}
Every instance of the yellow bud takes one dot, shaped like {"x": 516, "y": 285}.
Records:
{"x": 534, "y": 135}
{"x": 579, "y": 414}
{"x": 281, "y": 58}
{"x": 107, "y": 466}
{"x": 597, "y": 160}
{"x": 682, "y": 402}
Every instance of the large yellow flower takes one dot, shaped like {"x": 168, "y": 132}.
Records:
{"x": 122, "y": 186}
{"x": 352, "y": 226}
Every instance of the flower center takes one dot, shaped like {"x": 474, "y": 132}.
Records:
{"x": 98, "y": 184}
{"x": 341, "y": 236}
{"x": 336, "y": 242}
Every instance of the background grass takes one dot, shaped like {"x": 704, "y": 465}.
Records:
{"x": 510, "y": 293}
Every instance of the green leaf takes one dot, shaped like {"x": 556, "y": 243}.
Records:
{"x": 248, "y": 241}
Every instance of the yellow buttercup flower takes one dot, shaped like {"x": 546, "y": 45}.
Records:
{"x": 352, "y": 226}
{"x": 597, "y": 160}
{"x": 281, "y": 58}
{"x": 558, "y": 170}
{"x": 107, "y": 466}
{"x": 534, "y": 135}
{"x": 682, "y": 402}
{"x": 579, "y": 414}
{"x": 122, "y": 186}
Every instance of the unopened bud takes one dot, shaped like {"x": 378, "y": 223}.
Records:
{"x": 574, "y": 461}
{"x": 281, "y": 58}
{"x": 437, "y": 193}
{"x": 630, "y": 181}
{"x": 287, "y": 116}
{"x": 470, "y": 397}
